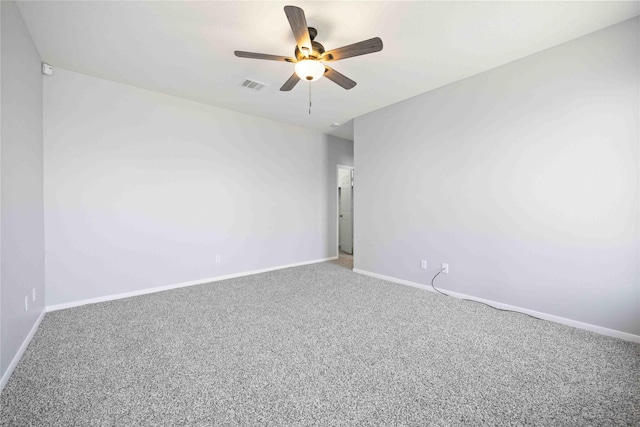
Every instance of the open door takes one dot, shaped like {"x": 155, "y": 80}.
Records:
{"x": 345, "y": 203}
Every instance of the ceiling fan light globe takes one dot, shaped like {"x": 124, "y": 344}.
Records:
{"x": 309, "y": 69}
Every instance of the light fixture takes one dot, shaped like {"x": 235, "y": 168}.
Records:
{"x": 309, "y": 69}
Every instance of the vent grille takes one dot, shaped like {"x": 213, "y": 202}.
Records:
{"x": 253, "y": 85}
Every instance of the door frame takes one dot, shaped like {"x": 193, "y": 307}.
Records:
{"x": 338, "y": 167}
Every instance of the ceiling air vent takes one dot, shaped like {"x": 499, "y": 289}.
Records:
{"x": 252, "y": 85}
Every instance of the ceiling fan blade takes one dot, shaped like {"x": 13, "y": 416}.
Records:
{"x": 252, "y": 55}
{"x": 356, "y": 49}
{"x": 289, "y": 84}
{"x": 339, "y": 79}
{"x": 299, "y": 27}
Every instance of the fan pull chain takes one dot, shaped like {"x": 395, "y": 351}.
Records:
{"x": 309, "y": 98}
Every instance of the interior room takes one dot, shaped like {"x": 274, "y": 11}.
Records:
{"x": 320, "y": 213}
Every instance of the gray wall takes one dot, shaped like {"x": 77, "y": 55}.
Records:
{"x": 2, "y": 370}
{"x": 22, "y": 237}
{"x": 144, "y": 190}
{"x": 523, "y": 178}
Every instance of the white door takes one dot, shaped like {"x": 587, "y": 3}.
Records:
{"x": 346, "y": 211}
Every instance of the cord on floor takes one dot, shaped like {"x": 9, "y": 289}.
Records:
{"x": 477, "y": 302}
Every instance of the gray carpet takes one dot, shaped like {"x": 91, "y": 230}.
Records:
{"x": 316, "y": 345}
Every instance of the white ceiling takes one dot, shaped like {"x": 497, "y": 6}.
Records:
{"x": 186, "y": 48}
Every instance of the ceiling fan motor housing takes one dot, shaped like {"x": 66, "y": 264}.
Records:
{"x": 316, "y": 48}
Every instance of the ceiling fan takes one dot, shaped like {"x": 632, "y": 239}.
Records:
{"x": 310, "y": 56}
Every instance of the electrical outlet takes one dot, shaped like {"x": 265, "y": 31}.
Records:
{"x": 26, "y": 303}
{"x": 445, "y": 268}
{"x": 33, "y": 294}
{"x": 217, "y": 258}
{"x": 423, "y": 264}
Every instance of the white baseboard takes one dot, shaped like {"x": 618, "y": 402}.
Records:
{"x": 557, "y": 319}
{"x": 21, "y": 350}
{"x": 105, "y": 298}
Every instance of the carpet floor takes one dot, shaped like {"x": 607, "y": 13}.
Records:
{"x": 316, "y": 345}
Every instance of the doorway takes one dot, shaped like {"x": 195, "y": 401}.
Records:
{"x": 345, "y": 214}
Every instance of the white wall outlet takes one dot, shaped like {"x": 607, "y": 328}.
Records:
{"x": 445, "y": 268}
{"x": 423, "y": 264}
{"x": 217, "y": 258}
{"x": 26, "y": 303}
{"x": 33, "y": 294}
